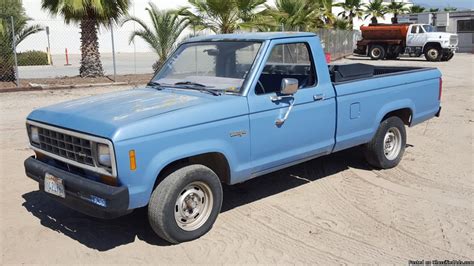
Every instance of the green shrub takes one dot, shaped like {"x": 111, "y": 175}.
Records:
{"x": 32, "y": 58}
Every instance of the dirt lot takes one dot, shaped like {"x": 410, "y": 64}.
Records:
{"x": 330, "y": 210}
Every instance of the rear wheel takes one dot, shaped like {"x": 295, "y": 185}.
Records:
{"x": 386, "y": 148}
{"x": 185, "y": 205}
{"x": 377, "y": 52}
{"x": 433, "y": 54}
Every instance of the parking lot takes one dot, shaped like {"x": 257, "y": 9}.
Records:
{"x": 334, "y": 209}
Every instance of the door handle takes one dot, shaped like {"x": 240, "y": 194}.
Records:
{"x": 318, "y": 97}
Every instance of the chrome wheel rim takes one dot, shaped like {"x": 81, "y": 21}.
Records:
{"x": 392, "y": 143}
{"x": 433, "y": 53}
{"x": 376, "y": 52}
{"x": 193, "y": 206}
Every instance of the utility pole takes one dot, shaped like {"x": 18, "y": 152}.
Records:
{"x": 17, "y": 76}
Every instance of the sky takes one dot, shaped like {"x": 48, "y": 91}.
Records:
{"x": 465, "y": 4}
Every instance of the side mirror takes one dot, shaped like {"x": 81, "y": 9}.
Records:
{"x": 289, "y": 86}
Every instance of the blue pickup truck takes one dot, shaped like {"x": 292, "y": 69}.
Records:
{"x": 222, "y": 109}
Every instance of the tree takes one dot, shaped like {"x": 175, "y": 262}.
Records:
{"x": 352, "y": 9}
{"x": 90, "y": 14}
{"x": 165, "y": 30}
{"x": 396, "y": 8}
{"x": 375, "y": 9}
{"x": 291, "y": 15}
{"x": 325, "y": 12}
{"x": 450, "y": 9}
{"x": 222, "y": 16}
{"x": 414, "y": 9}
{"x": 12, "y": 8}
{"x": 432, "y": 10}
{"x": 342, "y": 24}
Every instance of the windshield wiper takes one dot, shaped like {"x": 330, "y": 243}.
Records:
{"x": 155, "y": 84}
{"x": 198, "y": 87}
{"x": 191, "y": 83}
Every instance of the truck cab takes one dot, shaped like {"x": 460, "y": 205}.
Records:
{"x": 424, "y": 38}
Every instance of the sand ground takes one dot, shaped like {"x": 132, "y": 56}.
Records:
{"x": 334, "y": 209}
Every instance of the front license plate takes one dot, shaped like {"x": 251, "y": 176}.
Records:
{"x": 54, "y": 185}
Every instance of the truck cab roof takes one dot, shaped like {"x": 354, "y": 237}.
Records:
{"x": 251, "y": 36}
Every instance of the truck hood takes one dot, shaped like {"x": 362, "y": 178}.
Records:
{"x": 109, "y": 115}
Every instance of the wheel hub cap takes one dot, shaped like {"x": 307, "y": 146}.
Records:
{"x": 193, "y": 206}
{"x": 392, "y": 143}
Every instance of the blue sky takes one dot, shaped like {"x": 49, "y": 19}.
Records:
{"x": 465, "y": 4}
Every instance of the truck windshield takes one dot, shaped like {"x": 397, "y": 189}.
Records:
{"x": 217, "y": 65}
{"x": 428, "y": 28}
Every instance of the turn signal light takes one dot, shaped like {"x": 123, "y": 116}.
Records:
{"x": 133, "y": 161}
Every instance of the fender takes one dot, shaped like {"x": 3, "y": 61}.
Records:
{"x": 390, "y": 107}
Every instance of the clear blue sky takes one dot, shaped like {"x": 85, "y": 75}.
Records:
{"x": 465, "y": 4}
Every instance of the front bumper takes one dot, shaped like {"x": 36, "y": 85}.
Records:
{"x": 78, "y": 189}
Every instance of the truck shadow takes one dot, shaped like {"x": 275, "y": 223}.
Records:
{"x": 104, "y": 235}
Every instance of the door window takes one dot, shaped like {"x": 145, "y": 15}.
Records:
{"x": 293, "y": 60}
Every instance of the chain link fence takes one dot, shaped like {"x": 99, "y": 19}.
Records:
{"x": 54, "y": 54}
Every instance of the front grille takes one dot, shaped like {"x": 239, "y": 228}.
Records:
{"x": 67, "y": 146}
{"x": 453, "y": 40}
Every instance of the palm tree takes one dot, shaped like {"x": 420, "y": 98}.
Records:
{"x": 450, "y": 9}
{"x": 375, "y": 9}
{"x": 165, "y": 30}
{"x": 325, "y": 12}
{"x": 291, "y": 15}
{"x": 432, "y": 10}
{"x": 222, "y": 16}
{"x": 352, "y": 9}
{"x": 90, "y": 14}
{"x": 342, "y": 24}
{"x": 396, "y": 8}
{"x": 12, "y": 8}
{"x": 414, "y": 9}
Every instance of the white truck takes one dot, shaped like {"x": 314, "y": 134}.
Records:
{"x": 388, "y": 41}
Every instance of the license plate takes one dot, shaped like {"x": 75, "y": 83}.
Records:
{"x": 54, "y": 185}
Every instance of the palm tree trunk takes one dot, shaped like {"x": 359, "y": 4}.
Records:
{"x": 91, "y": 66}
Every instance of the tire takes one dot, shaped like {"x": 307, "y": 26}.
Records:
{"x": 174, "y": 202}
{"x": 433, "y": 54}
{"x": 377, "y": 52}
{"x": 392, "y": 56}
{"x": 387, "y": 147}
{"x": 447, "y": 57}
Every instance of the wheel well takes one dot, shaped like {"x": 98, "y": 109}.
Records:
{"x": 404, "y": 114}
{"x": 216, "y": 161}
{"x": 431, "y": 44}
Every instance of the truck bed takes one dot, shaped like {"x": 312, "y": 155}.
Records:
{"x": 365, "y": 94}
{"x": 351, "y": 72}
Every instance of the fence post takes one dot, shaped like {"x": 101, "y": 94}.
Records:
{"x": 17, "y": 76}
{"x": 113, "y": 49}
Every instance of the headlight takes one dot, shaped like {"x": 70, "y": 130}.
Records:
{"x": 34, "y": 135}
{"x": 103, "y": 155}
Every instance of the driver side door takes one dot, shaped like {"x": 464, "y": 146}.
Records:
{"x": 309, "y": 128}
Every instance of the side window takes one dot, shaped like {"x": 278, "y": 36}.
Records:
{"x": 293, "y": 60}
{"x": 414, "y": 29}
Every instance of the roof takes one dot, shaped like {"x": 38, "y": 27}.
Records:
{"x": 251, "y": 36}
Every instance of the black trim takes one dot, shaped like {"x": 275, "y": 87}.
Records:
{"x": 117, "y": 198}
{"x": 438, "y": 114}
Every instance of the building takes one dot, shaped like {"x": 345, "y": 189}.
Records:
{"x": 459, "y": 22}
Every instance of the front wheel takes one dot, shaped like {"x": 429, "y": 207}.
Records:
{"x": 185, "y": 205}
{"x": 386, "y": 148}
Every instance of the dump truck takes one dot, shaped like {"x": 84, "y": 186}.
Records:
{"x": 389, "y": 41}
